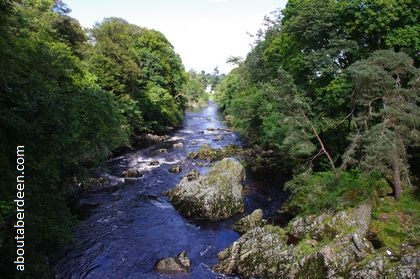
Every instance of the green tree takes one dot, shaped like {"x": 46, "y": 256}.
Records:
{"x": 387, "y": 113}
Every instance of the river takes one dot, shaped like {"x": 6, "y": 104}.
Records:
{"x": 133, "y": 225}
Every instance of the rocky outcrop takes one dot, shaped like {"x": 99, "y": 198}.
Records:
{"x": 261, "y": 253}
{"x": 214, "y": 196}
{"x": 330, "y": 225}
{"x": 171, "y": 264}
{"x": 324, "y": 246}
{"x": 255, "y": 219}
{"x": 382, "y": 265}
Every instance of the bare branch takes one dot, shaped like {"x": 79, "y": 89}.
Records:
{"x": 319, "y": 140}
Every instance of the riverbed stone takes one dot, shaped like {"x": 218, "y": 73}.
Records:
{"x": 214, "y": 196}
{"x": 175, "y": 169}
{"x": 181, "y": 263}
{"x": 255, "y": 219}
{"x": 133, "y": 173}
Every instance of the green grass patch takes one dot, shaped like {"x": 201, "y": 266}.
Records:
{"x": 397, "y": 221}
{"x": 312, "y": 194}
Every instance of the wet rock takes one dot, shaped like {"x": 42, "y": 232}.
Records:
{"x": 325, "y": 248}
{"x": 133, "y": 173}
{"x": 184, "y": 260}
{"x": 154, "y": 163}
{"x": 178, "y": 145}
{"x": 163, "y": 150}
{"x": 171, "y": 264}
{"x": 175, "y": 169}
{"x": 192, "y": 175}
{"x": 211, "y": 129}
{"x": 255, "y": 219}
{"x": 192, "y": 155}
{"x": 214, "y": 196}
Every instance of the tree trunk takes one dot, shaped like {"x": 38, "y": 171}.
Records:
{"x": 396, "y": 177}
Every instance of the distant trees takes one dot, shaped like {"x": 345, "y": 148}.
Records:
{"x": 194, "y": 90}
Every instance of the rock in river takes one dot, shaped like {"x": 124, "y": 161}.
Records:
{"x": 132, "y": 173}
{"x": 214, "y": 196}
{"x": 255, "y": 219}
{"x": 175, "y": 169}
{"x": 171, "y": 264}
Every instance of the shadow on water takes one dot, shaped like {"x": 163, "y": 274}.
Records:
{"x": 126, "y": 229}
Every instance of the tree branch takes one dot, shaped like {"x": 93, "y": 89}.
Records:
{"x": 319, "y": 140}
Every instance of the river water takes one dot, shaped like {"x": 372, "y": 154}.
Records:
{"x": 132, "y": 225}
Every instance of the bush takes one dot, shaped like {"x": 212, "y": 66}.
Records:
{"x": 313, "y": 193}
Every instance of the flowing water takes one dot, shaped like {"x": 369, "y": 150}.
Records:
{"x": 133, "y": 225}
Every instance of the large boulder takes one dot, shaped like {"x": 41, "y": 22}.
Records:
{"x": 323, "y": 247}
{"x": 214, "y": 196}
{"x": 255, "y": 219}
{"x": 171, "y": 264}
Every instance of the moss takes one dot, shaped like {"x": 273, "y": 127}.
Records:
{"x": 313, "y": 268}
{"x": 312, "y": 194}
{"x": 276, "y": 230}
{"x": 397, "y": 221}
{"x": 305, "y": 247}
{"x": 208, "y": 153}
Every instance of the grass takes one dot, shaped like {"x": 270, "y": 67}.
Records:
{"x": 321, "y": 191}
{"x": 397, "y": 221}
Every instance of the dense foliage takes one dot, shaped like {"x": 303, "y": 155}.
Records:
{"x": 333, "y": 86}
{"x": 72, "y": 97}
{"x": 194, "y": 90}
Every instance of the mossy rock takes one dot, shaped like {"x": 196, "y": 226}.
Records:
{"x": 255, "y": 219}
{"x": 214, "y": 196}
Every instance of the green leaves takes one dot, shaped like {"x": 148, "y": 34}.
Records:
{"x": 72, "y": 102}
{"x": 141, "y": 65}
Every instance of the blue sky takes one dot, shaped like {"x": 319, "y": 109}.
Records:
{"x": 204, "y": 32}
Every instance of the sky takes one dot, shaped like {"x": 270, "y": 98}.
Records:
{"x": 203, "y": 32}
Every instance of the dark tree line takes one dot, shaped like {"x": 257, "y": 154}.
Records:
{"x": 72, "y": 96}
